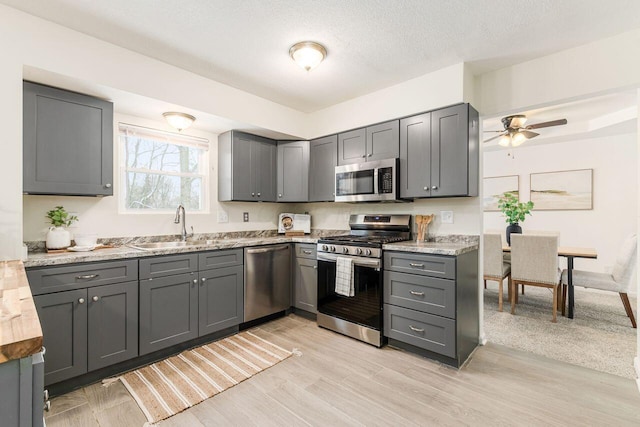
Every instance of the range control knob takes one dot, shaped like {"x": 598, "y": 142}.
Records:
{"x": 332, "y": 248}
{"x": 325, "y": 248}
{"x": 345, "y": 250}
{"x": 359, "y": 251}
{"x": 368, "y": 252}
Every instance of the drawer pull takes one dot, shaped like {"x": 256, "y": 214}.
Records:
{"x": 95, "y": 298}
{"x": 81, "y": 301}
{"x": 306, "y": 252}
{"x": 416, "y": 293}
{"x": 416, "y": 265}
{"x": 87, "y": 276}
{"x": 416, "y": 329}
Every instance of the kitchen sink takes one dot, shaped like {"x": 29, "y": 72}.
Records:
{"x": 168, "y": 245}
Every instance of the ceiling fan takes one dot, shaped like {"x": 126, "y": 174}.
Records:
{"x": 515, "y": 132}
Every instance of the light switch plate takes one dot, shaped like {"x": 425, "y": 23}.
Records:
{"x": 446, "y": 217}
{"x": 222, "y": 216}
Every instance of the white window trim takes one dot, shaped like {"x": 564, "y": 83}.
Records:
{"x": 175, "y": 138}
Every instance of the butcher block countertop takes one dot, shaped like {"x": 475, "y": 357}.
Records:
{"x": 20, "y": 331}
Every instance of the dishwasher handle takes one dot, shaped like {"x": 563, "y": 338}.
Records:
{"x": 265, "y": 250}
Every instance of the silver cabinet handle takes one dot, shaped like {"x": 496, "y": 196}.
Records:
{"x": 204, "y": 279}
{"x": 416, "y": 329}
{"x": 95, "y": 298}
{"x": 370, "y": 154}
{"x": 364, "y": 156}
{"x": 315, "y": 267}
{"x": 253, "y": 194}
{"x": 107, "y": 185}
{"x": 426, "y": 188}
{"x": 87, "y": 276}
{"x": 280, "y": 195}
{"x": 258, "y": 194}
{"x": 416, "y": 265}
{"x": 306, "y": 252}
{"x": 435, "y": 187}
{"x": 416, "y": 293}
{"x": 81, "y": 301}
{"x": 195, "y": 280}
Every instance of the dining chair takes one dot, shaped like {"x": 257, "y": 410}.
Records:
{"x": 495, "y": 269}
{"x": 618, "y": 281}
{"x": 534, "y": 262}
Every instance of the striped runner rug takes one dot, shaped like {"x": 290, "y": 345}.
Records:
{"x": 172, "y": 385}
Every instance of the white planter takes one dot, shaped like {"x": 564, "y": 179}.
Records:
{"x": 58, "y": 238}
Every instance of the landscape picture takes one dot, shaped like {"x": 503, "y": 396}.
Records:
{"x": 565, "y": 190}
{"x": 494, "y": 187}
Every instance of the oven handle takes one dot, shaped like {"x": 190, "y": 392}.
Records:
{"x": 362, "y": 262}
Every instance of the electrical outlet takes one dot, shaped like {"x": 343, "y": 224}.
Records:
{"x": 222, "y": 216}
{"x": 446, "y": 217}
{"x": 245, "y": 216}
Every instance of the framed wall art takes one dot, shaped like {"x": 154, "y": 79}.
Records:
{"x": 496, "y": 186}
{"x": 563, "y": 190}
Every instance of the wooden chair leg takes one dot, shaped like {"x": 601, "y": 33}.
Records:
{"x": 500, "y": 295}
{"x": 555, "y": 302}
{"x": 522, "y": 289}
{"x": 515, "y": 289}
{"x": 514, "y": 294}
{"x": 627, "y": 307}
{"x": 485, "y": 284}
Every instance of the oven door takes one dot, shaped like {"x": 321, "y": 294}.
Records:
{"x": 365, "y": 307}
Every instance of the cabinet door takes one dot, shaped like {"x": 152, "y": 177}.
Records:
{"x": 63, "y": 317}
{"x": 293, "y": 171}
{"x": 168, "y": 311}
{"x": 243, "y": 166}
{"x": 112, "y": 324}
{"x": 68, "y": 142}
{"x": 352, "y": 147}
{"x": 323, "y": 159}
{"x": 415, "y": 156}
{"x": 305, "y": 293}
{"x": 263, "y": 164}
{"x": 450, "y": 151}
{"x": 220, "y": 299}
{"x": 383, "y": 141}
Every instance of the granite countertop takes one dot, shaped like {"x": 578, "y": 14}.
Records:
{"x": 20, "y": 331}
{"x": 434, "y": 248}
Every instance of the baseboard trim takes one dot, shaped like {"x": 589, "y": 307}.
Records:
{"x": 636, "y": 365}
{"x": 482, "y": 339}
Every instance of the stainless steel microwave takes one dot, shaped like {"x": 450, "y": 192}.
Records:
{"x": 367, "y": 182}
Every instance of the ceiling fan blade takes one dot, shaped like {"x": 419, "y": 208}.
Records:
{"x": 495, "y": 137}
{"x": 493, "y": 130}
{"x": 547, "y": 124}
{"x": 528, "y": 134}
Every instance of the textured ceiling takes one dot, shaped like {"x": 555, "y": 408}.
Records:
{"x": 371, "y": 44}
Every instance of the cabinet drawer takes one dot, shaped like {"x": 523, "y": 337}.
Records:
{"x": 168, "y": 265}
{"x": 422, "y": 293}
{"x": 219, "y": 259}
{"x": 428, "y": 265}
{"x": 433, "y": 333}
{"x": 304, "y": 250}
{"x": 63, "y": 278}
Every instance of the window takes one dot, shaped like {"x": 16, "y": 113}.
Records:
{"x": 161, "y": 170}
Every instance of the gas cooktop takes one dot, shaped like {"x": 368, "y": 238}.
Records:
{"x": 363, "y": 240}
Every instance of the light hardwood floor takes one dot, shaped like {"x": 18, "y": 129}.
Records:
{"x": 340, "y": 381}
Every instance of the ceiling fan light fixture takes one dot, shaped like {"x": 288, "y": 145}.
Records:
{"x": 504, "y": 140}
{"x": 307, "y": 54}
{"x": 517, "y": 138}
{"x": 179, "y": 121}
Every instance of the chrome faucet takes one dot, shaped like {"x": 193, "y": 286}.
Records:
{"x": 184, "y": 222}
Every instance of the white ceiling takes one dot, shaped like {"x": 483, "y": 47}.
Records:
{"x": 371, "y": 44}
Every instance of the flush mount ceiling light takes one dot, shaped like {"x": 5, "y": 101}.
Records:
{"x": 307, "y": 54}
{"x": 179, "y": 121}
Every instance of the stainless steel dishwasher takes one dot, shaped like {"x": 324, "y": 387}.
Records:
{"x": 267, "y": 280}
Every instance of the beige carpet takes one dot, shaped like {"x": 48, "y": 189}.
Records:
{"x": 172, "y": 385}
{"x": 599, "y": 337}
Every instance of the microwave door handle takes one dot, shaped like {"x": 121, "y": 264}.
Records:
{"x": 376, "y": 183}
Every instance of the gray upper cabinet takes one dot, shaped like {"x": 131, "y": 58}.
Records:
{"x": 375, "y": 142}
{"x": 67, "y": 142}
{"x": 293, "y": 171}
{"x": 323, "y": 158}
{"x": 246, "y": 168}
{"x": 439, "y": 153}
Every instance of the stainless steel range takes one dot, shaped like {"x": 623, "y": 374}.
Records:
{"x": 358, "y": 316}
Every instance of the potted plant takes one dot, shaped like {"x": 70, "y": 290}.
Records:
{"x": 514, "y": 212}
{"x": 58, "y": 237}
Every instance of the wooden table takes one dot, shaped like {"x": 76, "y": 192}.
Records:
{"x": 569, "y": 253}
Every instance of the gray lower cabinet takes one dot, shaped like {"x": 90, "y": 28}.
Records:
{"x": 372, "y": 143}
{"x": 305, "y": 288}
{"x": 168, "y": 311}
{"x": 431, "y": 304}
{"x": 246, "y": 167}
{"x": 220, "y": 299}
{"x": 88, "y": 313}
{"x": 293, "y": 171}
{"x": 323, "y": 159}
{"x": 21, "y": 394}
{"x": 439, "y": 153}
{"x": 67, "y": 142}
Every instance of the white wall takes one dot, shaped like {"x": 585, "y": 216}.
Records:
{"x": 615, "y": 200}
{"x": 101, "y": 215}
